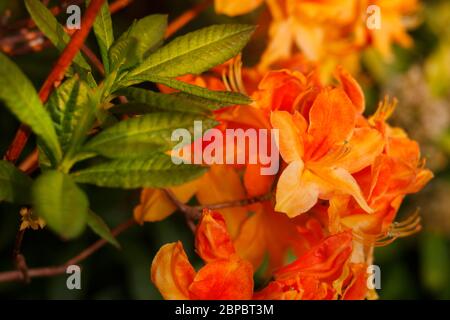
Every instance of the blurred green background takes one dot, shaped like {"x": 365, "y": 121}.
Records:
{"x": 413, "y": 268}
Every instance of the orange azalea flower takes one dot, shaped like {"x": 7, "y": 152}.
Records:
{"x": 396, "y": 172}
{"x": 329, "y": 31}
{"x": 313, "y": 275}
{"x": 225, "y": 275}
{"x": 323, "y": 148}
{"x": 331, "y": 152}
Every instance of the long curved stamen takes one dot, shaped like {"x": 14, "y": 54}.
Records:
{"x": 405, "y": 228}
{"x": 232, "y": 78}
{"x": 385, "y": 109}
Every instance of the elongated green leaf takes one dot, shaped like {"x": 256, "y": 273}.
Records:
{"x": 66, "y": 107}
{"x": 149, "y": 32}
{"x": 19, "y": 96}
{"x": 143, "y": 136}
{"x": 80, "y": 131}
{"x": 123, "y": 53}
{"x": 48, "y": 24}
{"x": 103, "y": 30}
{"x": 133, "y": 108}
{"x": 196, "y": 52}
{"x": 156, "y": 171}
{"x": 221, "y": 97}
{"x": 15, "y": 185}
{"x": 61, "y": 203}
{"x": 171, "y": 102}
{"x": 99, "y": 226}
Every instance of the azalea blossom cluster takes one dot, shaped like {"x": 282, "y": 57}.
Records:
{"x": 342, "y": 180}
{"x": 329, "y": 31}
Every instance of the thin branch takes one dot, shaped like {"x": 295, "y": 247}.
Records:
{"x": 186, "y": 17}
{"x": 235, "y": 204}
{"x": 27, "y": 40}
{"x": 30, "y": 163}
{"x": 57, "y": 74}
{"x": 57, "y": 10}
{"x": 93, "y": 59}
{"x": 18, "y": 258}
{"x": 9, "y": 276}
{"x": 193, "y": 213}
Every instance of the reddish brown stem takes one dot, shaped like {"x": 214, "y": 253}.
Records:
{"x": 186, "y": 17}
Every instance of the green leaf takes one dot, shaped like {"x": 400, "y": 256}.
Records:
{"x": 61, "y": 203}
{"x": 21, "y": 99}
{"x": 196, "y": 52}
{"x": 66, "y": 108}
{"x": 15, "y": 185}
{"x": 149, "y": 32}
{"x": 156, "y": 171}
{"x": 148, "y": 100}
{"x": 143, "y": 136}
{"x": 123, "y": 53}
{"x": 221, "y": 97}
{"x": 103, "y": 30}
{"x": 99, "y": 226}
{"x": 48, "y": 24}
{"x": 80, "y": 131}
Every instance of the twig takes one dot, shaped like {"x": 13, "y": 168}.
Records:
{"x": 30, "y": 163}
{"x": 194, "y": 212}
{"x": 57, "y": 74}
{"x": 9, "y": 276}
{"x": 191, "y": 213}
{"x": 57, "y": 10}
{"x": 18, "y": 258}
{"x": 26, "y": 40}
{"x": 234, "y": 204}
{"x": 186, "y": 17}
{"x": 93, "y": 58}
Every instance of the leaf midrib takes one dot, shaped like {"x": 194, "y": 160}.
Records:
{"x": 137, "y": 71}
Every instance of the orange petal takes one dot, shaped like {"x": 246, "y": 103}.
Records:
{"x": 251, "y": 241}
{"x": 309, "y": 38}
{"x": 324, "y": 261}
{"x": 338, "y": 181}
{"x": 242, "y": 117}
{"x": 223, "y": 280}
{"x": 280, "y": 45}
{"x": 212, "y": 240}
{"x": 352, "y": 88}
{"x": 357, "y": 289}
{"x": 235, "y": 7}
{"x": 364, "y": 146}
{"x": 171, "y": 272}
{"x": 279, "y": 90}
{"x": 267, "y": 232}
{"x": 297, "y": 191}
{"x": 222, "y": 184}
{"x": 291, "y": 132}
{"x": 255, "y": 183}
{"x": 156, "y": 206}
{"x": 331, "y": 122}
